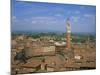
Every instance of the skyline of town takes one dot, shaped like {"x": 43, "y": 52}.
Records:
{"x": 43, "y": 39}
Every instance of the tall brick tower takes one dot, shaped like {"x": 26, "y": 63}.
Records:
{"x": 68, "y": 36}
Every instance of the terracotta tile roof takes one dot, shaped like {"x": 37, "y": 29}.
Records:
{"x": 32, "y": 63}
{"x": 54, "y": 61}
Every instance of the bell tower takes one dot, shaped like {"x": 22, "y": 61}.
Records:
{"x": 68, "y": 34}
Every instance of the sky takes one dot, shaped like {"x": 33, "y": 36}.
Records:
{"x": 51, "y": 17}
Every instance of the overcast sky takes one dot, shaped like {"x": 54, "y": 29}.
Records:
{"x": 32, "y": 16}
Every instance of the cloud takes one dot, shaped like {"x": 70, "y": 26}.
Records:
{"x": 91, "y": 19}
{"x": 75, "y": 18}
{"x": 77, "y": 12}
{"x": 45, "y": 20}
{"x": 14, "y": 19}
{"x": 47, "y": 23}
{"x": 34, "y": 22}
{"x": 89, "y": 15}
{"x": 58, "y": 15}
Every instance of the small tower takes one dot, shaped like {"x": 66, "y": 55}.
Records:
{"x": 68, "y": 36}
{"x": 88, "y": 42}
